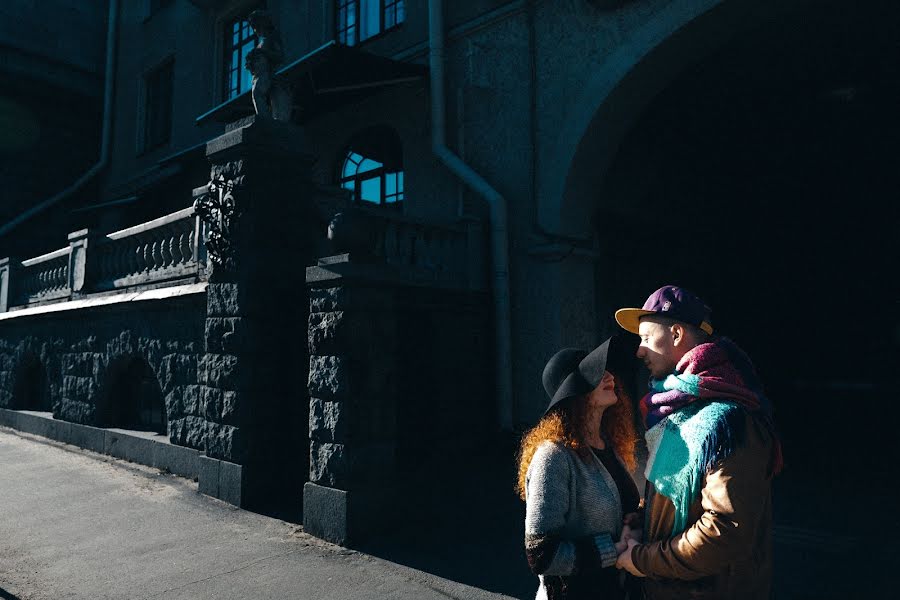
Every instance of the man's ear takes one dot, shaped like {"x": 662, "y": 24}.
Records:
{"x": 677, "y": 330}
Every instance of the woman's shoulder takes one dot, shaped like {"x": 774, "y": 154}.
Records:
{"x": 550, "y": 466}
{"x": 550, "y": 452}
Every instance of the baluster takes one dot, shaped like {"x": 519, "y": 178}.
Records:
{"x": 409, "y": 245}
{"x": 157, "y": 254}
{"x": 404, "y": 247}
{"x": 121, "y": 261}
{"x": 420, "y": 247}
{"x": 146, "y": 258}
{"x": 454, "y": 254}
{"x": 165, "y": 256}
{"x": 174, "y": 249}
{"x": 136, "y": 254}
{"x": 435, "y": 240}
{"x": 391, "y": 243}
{"x": 378, "y": 247}
{"x": 184, "y": 247}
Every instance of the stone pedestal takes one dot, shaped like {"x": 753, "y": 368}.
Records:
{"x": 396, "y": 377}
{"x": 353, "y": 376}
{"x": 8, "y": 267}
{"x": 261, "y": 227}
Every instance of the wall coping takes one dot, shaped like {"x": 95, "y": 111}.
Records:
{"x": 162, "y": 293}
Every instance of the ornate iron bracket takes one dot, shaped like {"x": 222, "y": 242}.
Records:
{"x": 218, "y": 209}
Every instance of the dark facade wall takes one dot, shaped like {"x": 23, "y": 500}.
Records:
{"x": 77, "y": 348}
{"x": 192, "y": 37}
{"x": 182, "y": 32}
{"x": 400, "y": 381}
{"x": 68, "y": 37}
{"x": 51, "y": 67}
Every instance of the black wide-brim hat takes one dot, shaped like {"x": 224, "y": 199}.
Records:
{"x": 575, "y": 372}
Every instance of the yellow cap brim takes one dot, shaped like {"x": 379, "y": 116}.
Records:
{"x": 630, "y": 318}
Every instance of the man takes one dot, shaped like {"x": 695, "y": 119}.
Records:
{"x": 712, "y": 454}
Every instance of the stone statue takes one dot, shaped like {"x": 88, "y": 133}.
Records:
{"x": 270, "y": 97}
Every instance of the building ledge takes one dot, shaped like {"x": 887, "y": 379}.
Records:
{"x": 331, "y": 76}
{"x": 93, "y": 301}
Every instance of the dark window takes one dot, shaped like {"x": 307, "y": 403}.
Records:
{"x": 372, "y": 168}
{"x": 358, "y": 20}
{"x": 240, "y": 39}
{"x": 158, "y": 106}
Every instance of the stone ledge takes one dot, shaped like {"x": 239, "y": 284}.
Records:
{"x": 216, "y": 478}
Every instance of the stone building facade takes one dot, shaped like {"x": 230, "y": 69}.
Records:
{"x": 731, "y": 146}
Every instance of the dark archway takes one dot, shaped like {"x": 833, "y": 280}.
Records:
{"x": 132, "y": 398}
{"x": 764, "y": 179}
{"x": 31, "y": 390}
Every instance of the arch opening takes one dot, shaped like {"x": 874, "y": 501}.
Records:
{"x": 31, "y": 390}
{"x": 762, "y": 178}
{"x": 132, "y": 397}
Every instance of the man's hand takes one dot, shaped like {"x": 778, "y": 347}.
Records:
{"x": 624, "y": 560}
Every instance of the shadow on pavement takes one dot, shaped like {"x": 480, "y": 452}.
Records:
{"x": 463, "y": 523}
{"x": 4, "y": 595}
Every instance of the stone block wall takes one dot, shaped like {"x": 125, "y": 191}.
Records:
{"x": 354, "y": 379}
{"x": 77, "y": 348}
{"x": 399, "y": 377}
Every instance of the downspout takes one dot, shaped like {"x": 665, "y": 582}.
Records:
{"x": 499, "y": 235}
{"x": 112, "y": 25}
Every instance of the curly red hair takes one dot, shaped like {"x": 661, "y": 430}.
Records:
{"x": 565, "y": 425}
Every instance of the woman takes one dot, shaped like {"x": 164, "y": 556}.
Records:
{"x": 573, "y": 477}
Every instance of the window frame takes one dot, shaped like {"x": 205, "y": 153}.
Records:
{"x": 226, "y": 34}
{"x": 383, "y": 6}
{"x": 382, "y": 172}
{"x": 146, "y": 142}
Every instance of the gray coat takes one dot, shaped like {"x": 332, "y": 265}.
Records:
{"x": 569, "y": 497}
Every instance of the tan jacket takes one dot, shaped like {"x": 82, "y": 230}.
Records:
{"x": 726, "y": 551}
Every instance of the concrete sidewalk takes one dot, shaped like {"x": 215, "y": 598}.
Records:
{"x": 74, "y": 524}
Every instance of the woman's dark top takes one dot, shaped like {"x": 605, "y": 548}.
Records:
{"x": 628, "y": 491}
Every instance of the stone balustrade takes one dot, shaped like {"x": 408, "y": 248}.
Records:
{"x": 166, "y": 250}
{"x": 159, "y": 250}
{"x": 446, "y": 254}
{"x": 45, "y": 277}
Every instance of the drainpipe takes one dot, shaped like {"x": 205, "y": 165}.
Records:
{"x": 112, "y": 24}
{"x": 498, "y": 215}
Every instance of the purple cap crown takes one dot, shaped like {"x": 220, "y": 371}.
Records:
{"x": 669, "y": 301}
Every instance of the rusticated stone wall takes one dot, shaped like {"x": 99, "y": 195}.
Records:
{"x": 76, "y": 349}
{"x": 399, "y": 374}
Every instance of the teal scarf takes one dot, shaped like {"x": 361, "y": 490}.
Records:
{"x": 685, "y": 445}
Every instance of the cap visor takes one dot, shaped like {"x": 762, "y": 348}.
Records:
{"x": 630, "y": 318}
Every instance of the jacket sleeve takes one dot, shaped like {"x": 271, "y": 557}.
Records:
{"x": 547, "y": 503}
{"x": 733, "y": 499}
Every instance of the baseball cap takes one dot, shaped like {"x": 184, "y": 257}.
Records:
{"x": 668, "y": 301}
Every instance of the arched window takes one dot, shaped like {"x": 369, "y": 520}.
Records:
{"x": 372, "y": 167}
